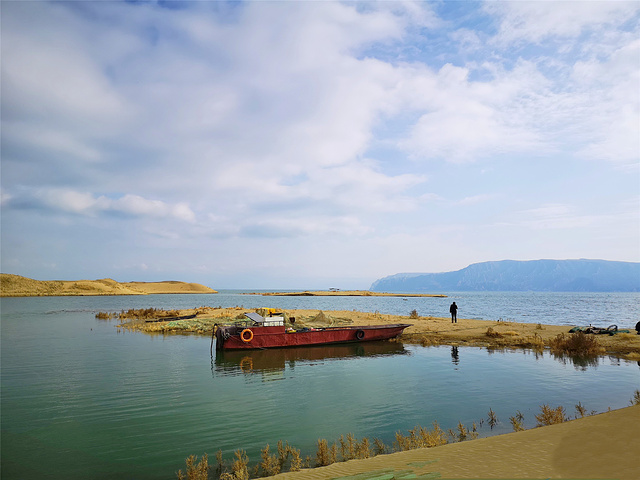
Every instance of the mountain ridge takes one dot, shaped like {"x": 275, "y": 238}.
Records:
{"x": 582, "y": 275}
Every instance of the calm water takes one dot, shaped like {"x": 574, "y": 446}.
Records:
{"x": 79, "y": 399}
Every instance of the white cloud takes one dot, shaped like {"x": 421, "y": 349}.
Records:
{"x": 84, "y": 203}
{"x": 475, "y": 199}
{"x": 298, "y": 123}
{"x": 535, "y": 21}
{"x": 467, "y": 120}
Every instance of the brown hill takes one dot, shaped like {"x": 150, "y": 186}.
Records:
{"x": 17, "y": 286}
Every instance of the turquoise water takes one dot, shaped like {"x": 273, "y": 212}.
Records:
{"x": 82, "y": 400}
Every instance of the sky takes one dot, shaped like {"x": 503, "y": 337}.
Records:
{"x": 315, "y": 144}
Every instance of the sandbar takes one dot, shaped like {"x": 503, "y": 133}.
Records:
{"x": 426, "y": 331}
{"x": 346, "y": 293}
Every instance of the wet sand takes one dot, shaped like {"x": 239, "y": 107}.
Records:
{"x": 603, "y": 446}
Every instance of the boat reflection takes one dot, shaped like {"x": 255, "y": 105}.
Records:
{"x": 234, "y": 362}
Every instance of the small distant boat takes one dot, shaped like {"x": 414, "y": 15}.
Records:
{"x": 270, "y": 332}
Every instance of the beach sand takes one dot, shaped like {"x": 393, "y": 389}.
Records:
{"x": 603, "y": 446}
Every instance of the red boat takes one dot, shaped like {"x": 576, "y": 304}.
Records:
{"x": 269, "y": 333}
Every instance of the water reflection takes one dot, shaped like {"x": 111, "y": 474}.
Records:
{"x": 579, "y": 362}
{"x": 274, "y": 361}
{"x": 455, "y": 358}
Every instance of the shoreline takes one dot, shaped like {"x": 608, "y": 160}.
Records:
{"x": 426, "y": 331}
{"x": 589, "y": 447}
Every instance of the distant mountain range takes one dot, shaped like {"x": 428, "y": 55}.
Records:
{"x": 510, "y": 275}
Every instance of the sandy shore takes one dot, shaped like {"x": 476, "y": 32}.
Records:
{"x": 17, "y": 286}
{"x": 601, "y": 446}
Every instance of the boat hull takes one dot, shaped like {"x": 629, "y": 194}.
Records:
{"x": 233, "y": 338}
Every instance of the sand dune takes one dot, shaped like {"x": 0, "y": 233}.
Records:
{"x": 17, "y": 286}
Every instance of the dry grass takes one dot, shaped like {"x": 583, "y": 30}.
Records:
{"x": 576, "y": 344}
{"x": 580, "y": 410}
{"x": 517, "y": 422}
{"x": 492, "y": 418}
{"x": 239, "y": 468}
{"x": 195, "y": 471}
{"x": 464, "y": 434}
{"x": 551, "y": 416}
{"x": 492, "y": 333}
{"x": 421, "y": 437}
{"x": 147, "y": 313}
{"x": 635, "y": 400}
{"x": 269, "y": 465}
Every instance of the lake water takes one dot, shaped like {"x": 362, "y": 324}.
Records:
{"x": 81, "y": 399}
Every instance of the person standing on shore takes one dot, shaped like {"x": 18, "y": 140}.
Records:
{"x": 454, "y": 312}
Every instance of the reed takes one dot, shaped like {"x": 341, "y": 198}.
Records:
{"x": 351, "y": 446}
{"x": 195, "y": 471}
{"x": 269, "y": 464}
{"x": 343, "y": 448}
{"x": 379, "y": 448}
{"x": 420, "y": 437}
{"x": 551, "y": 416}
{"x": 322, "y": 455}
{"x": 493, "y": 418}
{"x": 296, "y": 461}
{"x": 220, "y": 463}
{"x": 580, "y": 410}
{"x": 363, "y": 449}
{"x": 517, "y": 422}
{"x": 414, "y": 314}
{"x": 635, "y": 400}
{"x": 239, "y": 468}
{"x": 463, "y": 433}
{"x": 283, "y": 454}
{"x": 576, "y": 344}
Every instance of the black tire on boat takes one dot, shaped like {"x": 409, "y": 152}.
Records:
{"x": 359, "y": 334}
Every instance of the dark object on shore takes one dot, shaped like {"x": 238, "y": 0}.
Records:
{"x": 171, "y": 319}
{"x": 610, "y": 330}
{"x": 638, "y": 328}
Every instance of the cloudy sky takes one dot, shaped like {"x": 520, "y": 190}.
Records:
{"x": 315, "y": 144}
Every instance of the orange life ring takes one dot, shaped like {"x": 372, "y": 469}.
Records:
{"x": 245, "y": 339}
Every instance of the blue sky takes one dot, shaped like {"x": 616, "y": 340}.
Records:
{"x": 315, "y": 144}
